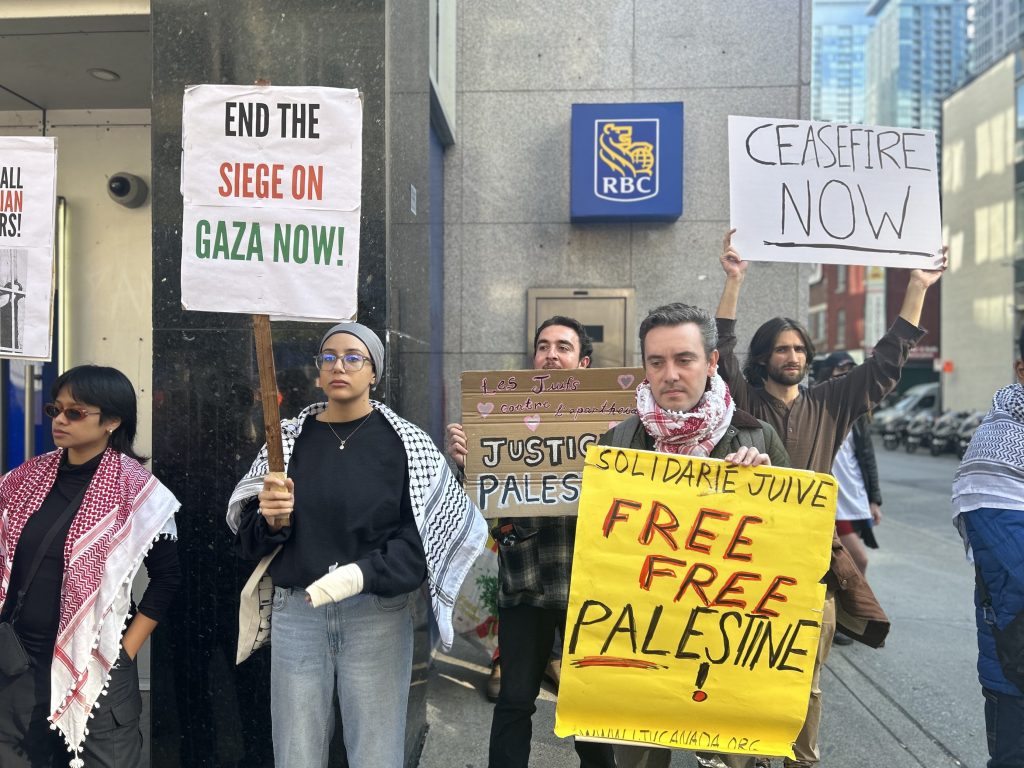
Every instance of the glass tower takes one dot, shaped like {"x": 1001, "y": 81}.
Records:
{"x": 917, "y": 55}
{"x": 838, "y": 79}
{"x": 998, "y": 30}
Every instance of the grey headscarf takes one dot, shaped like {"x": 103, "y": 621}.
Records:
{"x": 365, "y": 335}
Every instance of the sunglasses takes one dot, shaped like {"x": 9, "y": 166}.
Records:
{"x": 71, "y": 414}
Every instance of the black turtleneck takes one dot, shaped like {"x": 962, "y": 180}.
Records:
{"x": 38, "y": 621}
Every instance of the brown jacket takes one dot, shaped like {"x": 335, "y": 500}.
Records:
{"x": 813, "y": 428}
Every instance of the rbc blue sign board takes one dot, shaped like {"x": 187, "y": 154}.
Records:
{"x": 627, "y": 162}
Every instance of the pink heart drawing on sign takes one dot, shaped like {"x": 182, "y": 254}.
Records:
{"x": 626, "y": 380}
{"x": 531, "y": 422}
{"x": 612, "y": 424}
{"x": 484, "y": 409}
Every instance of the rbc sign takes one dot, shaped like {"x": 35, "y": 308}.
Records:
{"x": 627, "y": 162}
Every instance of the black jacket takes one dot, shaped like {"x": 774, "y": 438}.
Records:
{"x": 864, "y": 450}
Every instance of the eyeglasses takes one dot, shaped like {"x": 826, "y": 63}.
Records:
{"x": 350, "y": 362}
{"x": 72, "y": 414}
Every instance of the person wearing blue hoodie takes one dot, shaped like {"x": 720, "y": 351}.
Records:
{"x": 988, "y": 510}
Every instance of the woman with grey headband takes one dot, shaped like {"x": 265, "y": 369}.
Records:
{"x": 363, "y": 489}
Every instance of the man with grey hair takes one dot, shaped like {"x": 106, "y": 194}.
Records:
{"x": 684, "y": 407}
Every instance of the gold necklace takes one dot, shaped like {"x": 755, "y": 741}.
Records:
{"x": 342, "y": 446}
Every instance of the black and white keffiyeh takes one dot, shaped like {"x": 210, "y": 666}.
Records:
{"x": 992, "y": 472}
{"x": 451, "y": 527}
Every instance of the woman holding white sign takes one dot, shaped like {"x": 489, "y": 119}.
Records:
{"x": 368, "y": 512}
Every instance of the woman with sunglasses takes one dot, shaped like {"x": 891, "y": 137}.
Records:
{"x": 77, "y": 523}
{"x": 374, "y": 511}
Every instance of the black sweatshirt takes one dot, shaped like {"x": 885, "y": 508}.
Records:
{"x": 351, "y": 506}
{"x": 39, "y": 619}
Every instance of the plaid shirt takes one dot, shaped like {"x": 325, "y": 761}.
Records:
{"x": 535, "y": 569}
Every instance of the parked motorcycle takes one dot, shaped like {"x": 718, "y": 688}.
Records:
{"x": 967, "y": 429}
{"x": 919, "y": 431}
{"x": 944, "y": 432}
{"x": 894, "y": 432}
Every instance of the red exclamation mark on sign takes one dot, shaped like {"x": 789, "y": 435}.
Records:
{"x": 341, "y": 240}
{"x": 702, "y": 676}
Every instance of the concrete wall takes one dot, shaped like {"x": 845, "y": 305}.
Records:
{"x": 109, "y": 261}
{"x": 978, "y": 224}
{"x": 521, "y": 66}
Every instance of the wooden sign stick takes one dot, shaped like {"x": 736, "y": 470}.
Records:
{"x": 268, "y": 389}
{"x": 268, "y": 397}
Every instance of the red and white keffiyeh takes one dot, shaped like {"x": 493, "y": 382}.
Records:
{"x": 695, "y": 432}
{"x": 124, "y": 511}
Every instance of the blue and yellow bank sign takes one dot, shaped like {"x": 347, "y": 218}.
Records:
{"x": 627, "y": 162}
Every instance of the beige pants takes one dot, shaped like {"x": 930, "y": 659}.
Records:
{"x": 805, "y": 747}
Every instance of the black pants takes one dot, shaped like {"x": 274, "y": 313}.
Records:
{"x": 1004, "y": 726}
{"x": 525, "y": 635}
{"x": 114, "y": 739}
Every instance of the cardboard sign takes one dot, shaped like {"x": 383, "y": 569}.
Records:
{"x": 28, "y": 194}
{"x": 271, "y": 178}
{"x": 696, "y": 602}
{"x": 834, "y": 193}
{"x": 528, "y": 432}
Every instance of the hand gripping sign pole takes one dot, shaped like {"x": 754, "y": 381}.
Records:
{"x": 268, "y": 397}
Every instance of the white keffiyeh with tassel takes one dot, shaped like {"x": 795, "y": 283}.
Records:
{"x": 451, "y": 528}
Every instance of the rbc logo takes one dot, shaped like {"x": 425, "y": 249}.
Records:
{"x": 626, "y": 159}
{"x": 626, "y": 162}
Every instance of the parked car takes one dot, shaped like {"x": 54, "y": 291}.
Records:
{"x": 922, "y": 397}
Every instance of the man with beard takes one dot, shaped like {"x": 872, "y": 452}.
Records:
{"x": 813, "y": 424}
{"x": 534, "y": 594}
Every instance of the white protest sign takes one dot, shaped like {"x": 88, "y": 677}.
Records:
{"x": 271, "y": 179}
{"x": 834, "y": 193}
{"x": 28, "y": 193}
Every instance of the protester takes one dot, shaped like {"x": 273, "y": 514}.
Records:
{"x": 988, "y": 510}
{"x": 532, "y": 601}
{"x": 685, "y": 407}
{"x": 77, "y": 523}
{"x": 375, "y": 511}
{"x": 859, "y": 503}
{"x": 559, "y": 343}
{"x": 813, "y": 424}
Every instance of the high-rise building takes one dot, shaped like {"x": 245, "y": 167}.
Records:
{"x": 998, "y": 30}
{"x": 838, "y": 75}
{"x": 917, "y": 55}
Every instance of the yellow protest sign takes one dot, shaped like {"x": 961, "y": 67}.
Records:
{"x": 528, "y": 431}
{"x": 696, "y": 602}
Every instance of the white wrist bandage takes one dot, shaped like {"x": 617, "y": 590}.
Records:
{"x": 337, "y": 585}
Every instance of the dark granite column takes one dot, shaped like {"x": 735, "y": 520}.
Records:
{"x": 207, "y": 425}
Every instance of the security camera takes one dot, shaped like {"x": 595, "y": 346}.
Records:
{"x": 127, "y": 189}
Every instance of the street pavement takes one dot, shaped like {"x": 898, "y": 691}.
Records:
{"x": 915, "y": 702}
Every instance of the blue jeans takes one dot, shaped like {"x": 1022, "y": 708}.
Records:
{"x": 363, "y": 647}
{"x": 1004, "y": 727}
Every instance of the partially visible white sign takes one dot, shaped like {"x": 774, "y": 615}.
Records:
{"x": 271, "y": 179}
{"x": 28, "y": 198}
{"x": 827, "y": 192}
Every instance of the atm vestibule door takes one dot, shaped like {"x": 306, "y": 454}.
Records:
{"x": 607, "y": 313}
